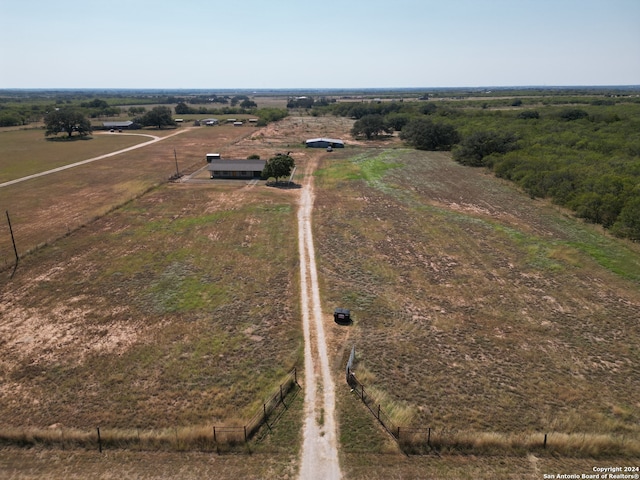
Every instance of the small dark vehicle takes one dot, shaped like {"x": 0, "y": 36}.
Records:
{"x": 342, "y": 315}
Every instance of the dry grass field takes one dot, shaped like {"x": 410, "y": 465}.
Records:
{"x": 477, "y": 309}
{"x": 49, "y": 207}
{"x": 157, "y": 306}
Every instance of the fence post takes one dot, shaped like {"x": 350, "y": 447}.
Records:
{"x": 281, "y": 396}
{"x": 264, "y": 409}
{"x": 378, "y": 412}
{"x": 544, "y": 445}
{"x": 398, "y": 433}
{"x": 429, "y": 437}
{"x": 214, "y": 434}
{"x": 99, "y": 441}
{"x": 362, "y": 392}
{"x": 245, "y": 434}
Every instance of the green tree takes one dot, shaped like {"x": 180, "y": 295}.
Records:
{"x": 278, "y": 166}
{"x": 397, "y": 121}
{"x": 628, "y": 222}
{"x": 428, "y": 108}
{"x": 137, "y": 110}
{"x": 97, "y": 103}
{"x": 67, "y": 120}
{"x": 474, "y": 148}
{"x": 246, "y": 103}
{"x": 10, "y": 119}
{"x": 423, "y": 134}
{"x": 370, "y": 126}
{"x": 268, "y": 115}
{"x": 237, "y": 99}
{"x": 183, "y": 109}
{"x": 157, "y": 117}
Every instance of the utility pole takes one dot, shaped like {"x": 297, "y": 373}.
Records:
{"x": 13, "y": 240}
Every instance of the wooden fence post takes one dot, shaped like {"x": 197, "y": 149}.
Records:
{"x": 99, "y": 441}
{"x": 362, "y": 386}
{"x": 378, "y": 412}
{"x": 245, "y": 434}
{"x": 544, "y": 445}
{"x": 429, "y": 437}
{"x": 281, "y": 396}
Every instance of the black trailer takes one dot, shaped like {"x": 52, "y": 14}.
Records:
{"x": 342, "y": 315}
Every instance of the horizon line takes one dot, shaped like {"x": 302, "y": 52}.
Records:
{"x": 272, "y": 89}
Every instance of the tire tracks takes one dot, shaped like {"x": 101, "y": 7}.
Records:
{"x": 320, "y": 444}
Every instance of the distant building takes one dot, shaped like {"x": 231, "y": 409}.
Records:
{"x": 324, "y": 143}
{"x": 236, "y": 169}
{"x": 120, "y": 125}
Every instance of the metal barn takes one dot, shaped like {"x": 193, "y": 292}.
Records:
{"x": 324, "y": 143}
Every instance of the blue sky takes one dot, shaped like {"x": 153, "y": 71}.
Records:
{"x": 311, "y": 44}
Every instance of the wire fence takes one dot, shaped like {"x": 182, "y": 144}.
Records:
{"x": 369, "y": 401}
{"x": 427, "y": 439}
{"x": 202, "y": 438}
{"x": 271, "y": 410}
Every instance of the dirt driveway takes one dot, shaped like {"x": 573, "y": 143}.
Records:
{"x": 320, "y": 444}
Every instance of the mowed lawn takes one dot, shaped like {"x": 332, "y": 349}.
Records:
{"x": 475, "y": 308}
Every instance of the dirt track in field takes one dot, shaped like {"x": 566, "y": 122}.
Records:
{"x": 320, "y": 447}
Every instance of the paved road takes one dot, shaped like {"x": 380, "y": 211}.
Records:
{"x": 94, "y": 159}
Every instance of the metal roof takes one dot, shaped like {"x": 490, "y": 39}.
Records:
{"x": 128, "y": 123}
{"x": 236, "y": 165}
{"x": 329, "y": 140}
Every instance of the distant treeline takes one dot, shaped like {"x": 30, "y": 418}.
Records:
{"x": 583, "y": 153}
{"x": 19, "y": 109}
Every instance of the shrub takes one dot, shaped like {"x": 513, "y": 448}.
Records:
{"x": 570, "y": 114}
{"x": 528, "y": 115}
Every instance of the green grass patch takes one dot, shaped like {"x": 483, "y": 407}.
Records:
{"x": 364, "y": 166}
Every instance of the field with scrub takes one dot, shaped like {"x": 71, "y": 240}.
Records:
{"x": 477, "y": 309}
{"x": 150, "y": 305}
{"x": 137, "y": 290}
